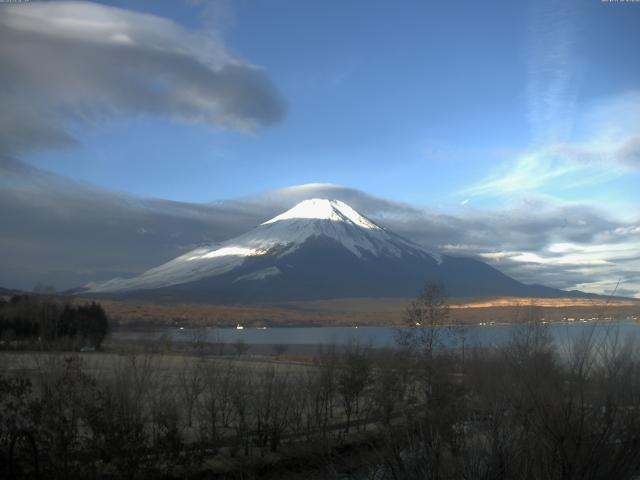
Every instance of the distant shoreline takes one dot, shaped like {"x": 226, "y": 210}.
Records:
{"x": 349, "y": 312}
{"x": 358, "y": 312}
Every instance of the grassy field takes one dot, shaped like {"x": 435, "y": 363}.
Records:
{"x": 182, "y": 415}
{"x": 169, "y": 365}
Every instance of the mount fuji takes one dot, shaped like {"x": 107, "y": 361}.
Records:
{"x": 318, "y": 249}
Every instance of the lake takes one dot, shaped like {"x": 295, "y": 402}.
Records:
{"x": 475, "y": 335}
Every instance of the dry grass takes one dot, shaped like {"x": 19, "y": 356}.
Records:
{"x": 168, "y": 365}
{"x": 359, "y": 311}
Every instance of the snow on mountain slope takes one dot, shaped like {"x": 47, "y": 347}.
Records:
{"x": 280, "y": 236}
{"x": 321, "y": 209}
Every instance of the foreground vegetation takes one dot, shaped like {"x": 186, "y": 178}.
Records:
{"x": 526, "y": 410}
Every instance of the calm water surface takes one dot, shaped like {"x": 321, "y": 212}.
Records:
{"x": 385, "y": 336}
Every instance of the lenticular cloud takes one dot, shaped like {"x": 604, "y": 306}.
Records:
{"x": 102, "y": 62}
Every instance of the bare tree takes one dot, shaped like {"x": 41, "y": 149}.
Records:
{"x": 387, "y": 385}
{"x": 190, "y": 380}
{"x": 325, "y": 389}
{"x": 422, "y": 318}
{"x": 241, "y": 391}
{"x": 422, "y": 338}
{"x": 209, "y": 406}
{"x": 271, "y": 407}
{"x": 353, "y": 377}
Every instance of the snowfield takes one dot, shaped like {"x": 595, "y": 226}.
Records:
{"x": 281, "y": 236}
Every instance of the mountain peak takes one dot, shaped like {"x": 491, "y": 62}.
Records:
{"x": 265, "y": 251}
{"x": 318, "y": 249}
{"x": 325, "y": 209}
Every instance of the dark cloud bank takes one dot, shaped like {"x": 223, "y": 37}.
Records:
{"x": 64, "y": 233}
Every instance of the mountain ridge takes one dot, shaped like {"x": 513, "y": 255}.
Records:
{"x": 320, "y": 248}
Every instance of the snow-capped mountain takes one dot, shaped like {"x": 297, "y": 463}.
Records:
{"x": 318, "y": 249}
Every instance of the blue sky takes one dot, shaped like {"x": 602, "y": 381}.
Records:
{"x": 418, "y": 103}
{"x": 464, "y": 110}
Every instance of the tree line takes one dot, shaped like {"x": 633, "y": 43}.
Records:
{"x": 30, "y": 319}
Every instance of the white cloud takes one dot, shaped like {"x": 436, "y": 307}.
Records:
{"x": 84, "y": 62}
{"x": 609, "y": 149}
{"x": 595, "y": 268}
{"x": 571, "y": 146}
{"x": 554, "y": 68}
